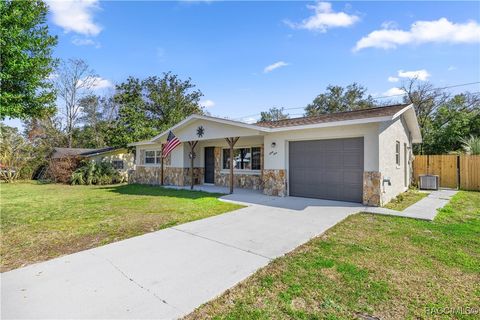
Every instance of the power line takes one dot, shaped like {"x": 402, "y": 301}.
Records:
{"x": 392, "y": 96}
{"x": 433, "y": 89}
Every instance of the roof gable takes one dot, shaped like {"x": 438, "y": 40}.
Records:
{"x": 178, "y": 128}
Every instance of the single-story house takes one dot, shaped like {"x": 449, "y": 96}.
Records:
{"x": 120, "y": 158}
{"x": 360, "y": 156}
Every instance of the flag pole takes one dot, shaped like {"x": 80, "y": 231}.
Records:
{"x": 161, "y": 167}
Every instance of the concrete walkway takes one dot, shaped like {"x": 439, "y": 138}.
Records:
{"x": 425, "y": 209}
{"x": 168, "y": 273}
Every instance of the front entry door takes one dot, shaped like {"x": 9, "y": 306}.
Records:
{"x": 209, "y": 165}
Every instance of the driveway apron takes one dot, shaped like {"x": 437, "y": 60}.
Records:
{"x": 168, "y": 273}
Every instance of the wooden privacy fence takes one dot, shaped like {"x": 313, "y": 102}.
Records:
{"x": 454, "y": 171}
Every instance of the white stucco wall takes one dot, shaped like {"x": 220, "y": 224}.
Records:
{"x": 212, "y": 130}
{"x": 177, "y": 155}
{"x": 277, "y": 158}
{"x": 389, "y": 133}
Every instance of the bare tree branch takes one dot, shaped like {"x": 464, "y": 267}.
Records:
{"x": 74, "y": 81}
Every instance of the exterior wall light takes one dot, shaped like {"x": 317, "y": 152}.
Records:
{"x": 273, "y": 145}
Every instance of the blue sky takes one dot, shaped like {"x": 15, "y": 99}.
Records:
{"x": 227, "y": 47}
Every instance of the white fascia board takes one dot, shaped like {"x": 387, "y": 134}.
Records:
{"x": 412, "y": 122}
{"x": 399, "y": 113}
{"x": 233, "y": 123}
{"x": 333, "y": 124}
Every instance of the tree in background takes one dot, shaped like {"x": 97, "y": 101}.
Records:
{"x": 340, "y": 99}
{"x": 455, "y": 119}
{"x": 25, "y": 60}
{"x": 426, "y": 99}
{"x": 273, "y": 114}
{"x": 15, "y": 152}
{"x": 74, "y": 81}
{"x": 93, "y": 122}
{"x": 168, "y": 99}
{"x": 148, "y": 107}
{"x": 131, "y": 123}
{"x": 444, "y": 120}
{"x": 43, "y": 135}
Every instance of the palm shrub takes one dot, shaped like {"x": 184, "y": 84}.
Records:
{"x": 77, "y": 178}
{"x": 471, "y": 145}
{"x": 91, "y": 172}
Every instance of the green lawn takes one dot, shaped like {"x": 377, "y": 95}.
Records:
{"x": 369, "y": 265}
{"x": 42, "y": 221}
{"x": 406, "y": 199}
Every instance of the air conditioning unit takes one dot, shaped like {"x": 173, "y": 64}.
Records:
{"x": 429, "y": 182}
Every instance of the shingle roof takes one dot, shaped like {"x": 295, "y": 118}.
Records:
{"x": 332, "y": 117}
{"x": 98, "y": 151}
{"x": 81, "y": 152}
{"x": 68, "y": 152}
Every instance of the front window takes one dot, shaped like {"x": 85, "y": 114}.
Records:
{"x": 152, "y": 156}
{"x": 117, "y": 164}
{"x": 243, "y": 158}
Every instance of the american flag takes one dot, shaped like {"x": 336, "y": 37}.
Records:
{"x": 172, "y": 142}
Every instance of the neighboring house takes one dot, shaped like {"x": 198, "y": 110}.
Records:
{"x": 360, "y": 156}
{"x": 120, "y": 158}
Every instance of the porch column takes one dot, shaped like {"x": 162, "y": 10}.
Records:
{"x": 192, "y": 145}
{"x": 231, "y": 142}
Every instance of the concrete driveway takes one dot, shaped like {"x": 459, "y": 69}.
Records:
{"x": 168, "y": 273}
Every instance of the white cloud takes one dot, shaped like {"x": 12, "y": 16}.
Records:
{"x": 101, "y": 83}
{"x": 207, "y": 103}
{"x": 452, "y": 68}
{"x": 85, "y": 42}
{"x": 436, "y": 31}
{"x": 249, "y": 120}
{"x": 76, "y": 16}
{"x": 389, "y": 25}
{"x": 274, "y": 66}
{"x": 393, "y": 79}
{"x": 393, "y": 92}
{"x": 324, "y": 19}
{"x": 96, "y": 83}
{"x": 422, "y": 75}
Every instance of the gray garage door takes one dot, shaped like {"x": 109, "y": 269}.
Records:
{"x": 327, "y": 169}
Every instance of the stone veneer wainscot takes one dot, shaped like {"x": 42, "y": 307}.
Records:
{"x": 172, "y": 176}
{"x": 274, "y": 182}
{"x": 372, "y": 189}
